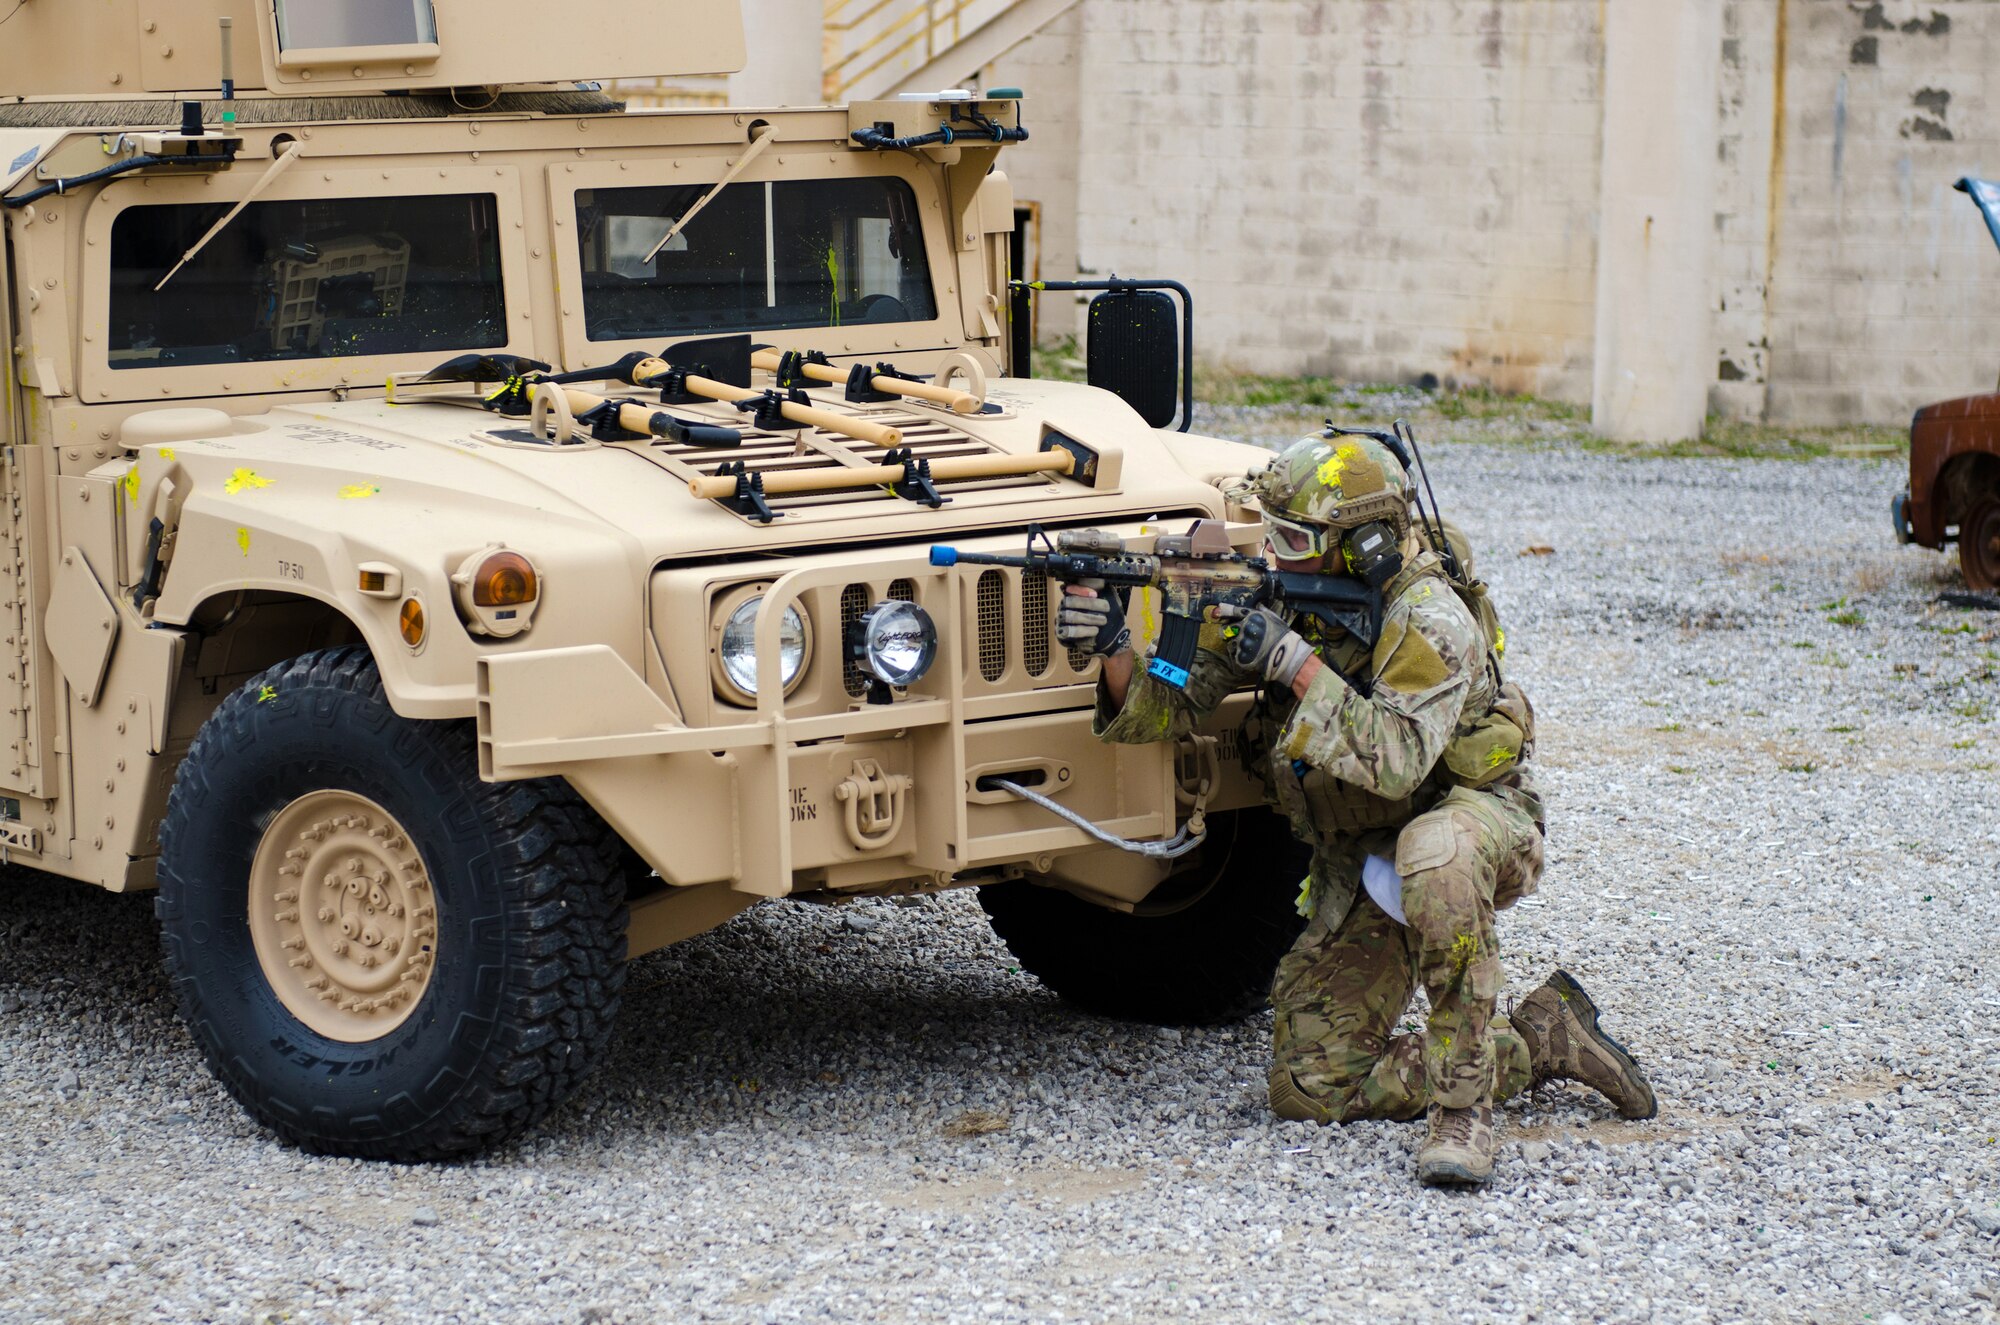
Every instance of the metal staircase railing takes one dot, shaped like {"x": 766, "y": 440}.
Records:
{"x": 875, "y": 48}
{"x": 871, "y": 44}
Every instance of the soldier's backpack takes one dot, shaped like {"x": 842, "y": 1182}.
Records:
{"x": 1489, "y": 748}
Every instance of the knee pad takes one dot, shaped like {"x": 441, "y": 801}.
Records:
{"x": 1288, "y": 1101}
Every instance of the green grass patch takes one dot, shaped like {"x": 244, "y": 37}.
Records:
{"x": 1480, "y": 413}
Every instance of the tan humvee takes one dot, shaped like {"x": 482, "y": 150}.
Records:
{"x": 423, "y": 715}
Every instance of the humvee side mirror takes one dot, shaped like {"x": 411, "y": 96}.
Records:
{"x": 1141, "y": 348}
{"x": 1135, "y": 353}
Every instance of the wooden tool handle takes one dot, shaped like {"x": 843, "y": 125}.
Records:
{"x": 867, "y": 430}
{"x": 632, "y": 418}
{"x": 711, "y": 487}
{"x": 959, "y": 402}
{"x": 881, "y": 434}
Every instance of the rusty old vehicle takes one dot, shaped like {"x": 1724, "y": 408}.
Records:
{"x": 432, "y": 660}
{"x": 1954, "y": 491}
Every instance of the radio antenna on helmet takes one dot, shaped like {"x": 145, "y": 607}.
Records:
{"x": 1434, "y": 521}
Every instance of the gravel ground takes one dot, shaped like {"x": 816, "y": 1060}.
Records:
{"x": 1775, "y": 860}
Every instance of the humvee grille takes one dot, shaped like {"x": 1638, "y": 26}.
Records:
{"x": 1035, "y": 627}
{"x": 991, "y": 599}
{"x": 853, "y": 602}
{"x": 1012, "y": 644}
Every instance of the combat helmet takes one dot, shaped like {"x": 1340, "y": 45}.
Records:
{"x": 1323, "y": 484}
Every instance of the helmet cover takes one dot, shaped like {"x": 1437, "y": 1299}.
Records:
{"x": 1340, "y": 482}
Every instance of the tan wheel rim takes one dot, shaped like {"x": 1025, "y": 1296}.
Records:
{"x": 342, "y": 916}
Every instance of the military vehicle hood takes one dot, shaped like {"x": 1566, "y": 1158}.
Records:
{"x": 430, "y": 462}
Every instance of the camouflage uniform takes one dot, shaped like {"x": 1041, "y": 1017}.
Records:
{"x": 1393, "y": 751}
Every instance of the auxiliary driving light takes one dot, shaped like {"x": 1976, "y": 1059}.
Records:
{"x": 894, "y": 642}
{"x": 738, "y": 647}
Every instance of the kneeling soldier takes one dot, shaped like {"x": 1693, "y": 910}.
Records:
{"x": 1401, "y": 761}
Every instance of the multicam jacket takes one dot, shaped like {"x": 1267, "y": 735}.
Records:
{"x": 1380, "y": 734}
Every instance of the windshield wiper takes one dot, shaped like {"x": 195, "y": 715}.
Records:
{"x": 762, "y": 140}
{"x": 277, "y": 167}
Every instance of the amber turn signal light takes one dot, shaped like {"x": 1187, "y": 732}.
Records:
{"x": 496, "y": 591}
{"x": 411, "y": 622}
{"x": 505, "y": 579}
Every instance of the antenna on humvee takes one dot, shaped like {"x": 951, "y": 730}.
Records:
{"x": 228, "y": 68}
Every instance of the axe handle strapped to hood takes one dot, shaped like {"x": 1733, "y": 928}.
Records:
{"x": 645, "y": 420}
{"x": 518, "y": 377}
{"x": 959, "y": 402}
{"x": 647, "y": 372}
{"x": 712, "y": 488}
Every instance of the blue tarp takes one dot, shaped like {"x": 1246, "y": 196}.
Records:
{"x": 1987, "y": 195}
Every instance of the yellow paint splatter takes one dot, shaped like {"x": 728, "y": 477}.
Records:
{"x": 132, "y": 484}
{"x": 1336, "y": 464}
{"x": 266, "y": 693}
{"x": 1498, "y": 755}
{"x": 167, "y": 454}
{"x": 1499, "y": 640}
{"x": 245, "y": 478}
{"x": 243, "y": 539}
{"x": 355, "y": 491}
{"x": 1464, "y": 951}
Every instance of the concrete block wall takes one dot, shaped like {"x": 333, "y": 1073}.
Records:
{"x": 1389, "y": 191}
{"x": 1884, "y": 287}
{"x": 1361, "y": 189}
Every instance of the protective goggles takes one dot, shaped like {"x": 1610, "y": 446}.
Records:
{"x": 1295, "y": 540}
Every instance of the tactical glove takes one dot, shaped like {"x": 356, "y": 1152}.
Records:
{"x": 1265, "y": 643}
{"x": 1092, "y": 619}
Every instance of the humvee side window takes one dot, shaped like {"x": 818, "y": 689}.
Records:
{"x": 307, "y": 280}
{"x": 793, "y": 253}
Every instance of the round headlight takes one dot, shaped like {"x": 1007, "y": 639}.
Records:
{"x": 739, "y": 646}
{"x": 895, "y": 642}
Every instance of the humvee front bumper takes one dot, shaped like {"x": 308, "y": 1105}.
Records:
{"x": 767, "y": 802}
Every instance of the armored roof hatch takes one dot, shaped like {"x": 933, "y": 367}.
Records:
{"x": 129, "y": 48}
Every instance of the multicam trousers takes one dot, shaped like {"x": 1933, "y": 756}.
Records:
{"x": 1348, "y": 980}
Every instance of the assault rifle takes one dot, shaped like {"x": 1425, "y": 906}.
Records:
{"x": 1195, "y": 573}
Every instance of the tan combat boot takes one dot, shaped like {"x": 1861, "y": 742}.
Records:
{"x": 1559, "y": 1023}
{"x": 1458, "y": 1146}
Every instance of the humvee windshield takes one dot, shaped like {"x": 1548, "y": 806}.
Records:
{"x": 307, "y": 279}
{"x": 792, "y": 253}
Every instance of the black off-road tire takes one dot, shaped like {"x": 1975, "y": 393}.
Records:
{"x": 1979, "y": 543}
{"x": 529, "y": 958}
{"x": 1201, "y": 949}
